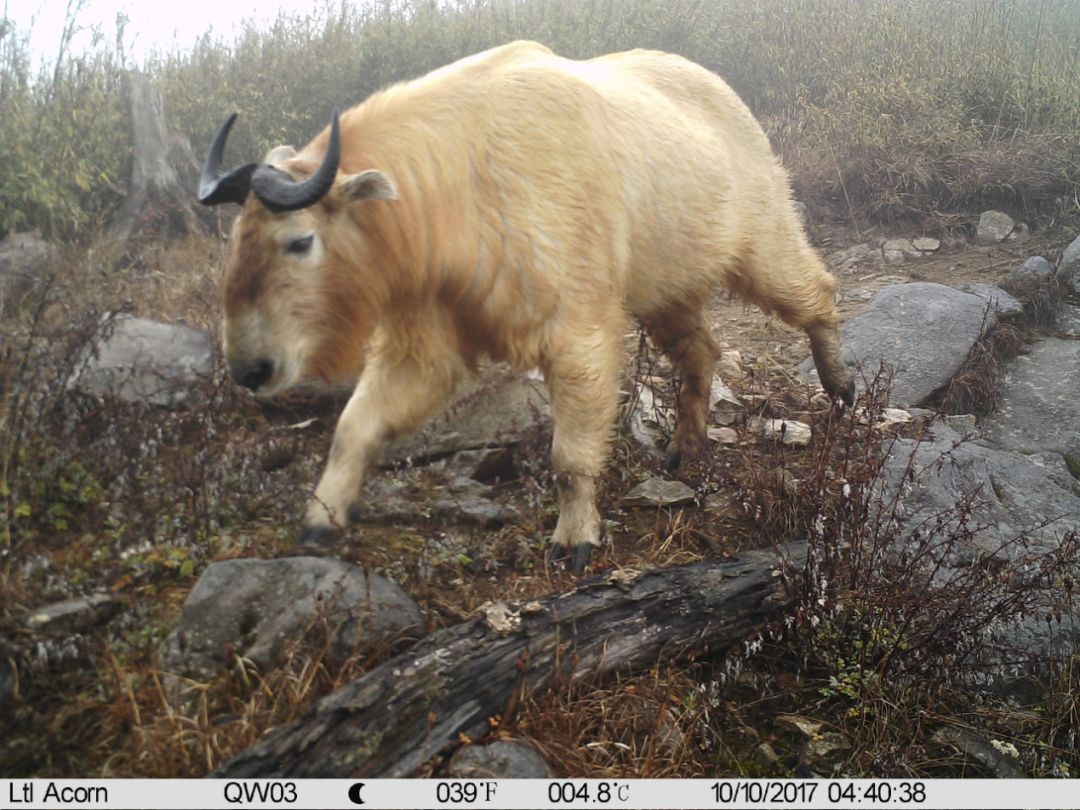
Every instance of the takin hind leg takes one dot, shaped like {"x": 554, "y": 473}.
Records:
{"x": 685, "y": 337}
{"x": 582, "y": 379}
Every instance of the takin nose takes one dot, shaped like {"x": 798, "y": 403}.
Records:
{"x": 253, "y": 375}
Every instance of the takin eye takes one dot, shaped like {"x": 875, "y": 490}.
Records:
{"x": 299, "y": 247}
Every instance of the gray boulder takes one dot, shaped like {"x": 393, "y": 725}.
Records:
{"x": 502, "y": 759}
{"x": 24, "y": 261}
{"x": 1035, "y": 268}
{"x": 1021, "y": 507}
{"x": 1005, "y": 305}
{"x": 494, "y": 411}
{"x": 1038, "y": 408}
{"x": 1068, "y": 271}
{"x": 139, "y": 360}
{"x": 897, "y": 250}
{"x": 922, "y": 331}
{"x": 994, "y": 227}
{"x": 256, "y": 607}
{"x": 1068, "y": 320}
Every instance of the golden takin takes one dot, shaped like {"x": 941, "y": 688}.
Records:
{"x": 517, "y": 206}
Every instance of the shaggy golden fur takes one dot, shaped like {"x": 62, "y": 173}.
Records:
{"x": 523, "y": 207}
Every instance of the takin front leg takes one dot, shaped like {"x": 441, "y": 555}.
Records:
{"x": 685, "y": 337}
{"x": 390, "y": 401}
{"x": 583, "y": 384}
{"x": 836, "y": 378}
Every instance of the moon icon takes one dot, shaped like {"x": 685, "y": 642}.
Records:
{"x": 354, "y": 793}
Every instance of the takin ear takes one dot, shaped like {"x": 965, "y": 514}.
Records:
{"x": 369, "y": 185}
{"x": 279, "y": 154}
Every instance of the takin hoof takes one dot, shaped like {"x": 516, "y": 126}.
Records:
{"x": 316, "y": 541}
{"x": 681, "y": 457}
{"x": 559, "y": 554}
{"x": 846, "y": 394}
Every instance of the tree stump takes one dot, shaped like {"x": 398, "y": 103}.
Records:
{"x": 415, "y": 706}
{"x": 160, "y": 202}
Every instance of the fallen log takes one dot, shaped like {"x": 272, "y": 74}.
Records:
{"x": 407, "y": 710}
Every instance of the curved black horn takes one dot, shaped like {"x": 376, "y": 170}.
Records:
{"x": 279, "y": 192}
{"x": 216, "y": 186}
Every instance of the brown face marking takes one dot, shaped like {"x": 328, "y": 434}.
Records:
{"x": 249, "y": 261}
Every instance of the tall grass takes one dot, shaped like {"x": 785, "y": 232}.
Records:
{"x": 881, "y": 109}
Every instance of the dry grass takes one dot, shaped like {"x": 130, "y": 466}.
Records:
{"x": 976, "y": 387}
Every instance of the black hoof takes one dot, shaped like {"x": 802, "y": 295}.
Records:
{"x": 316, "y": 541}
{"x": 847, "y": 394}
{"x": 673, "y": 461}
{"x": 559, "y": 554}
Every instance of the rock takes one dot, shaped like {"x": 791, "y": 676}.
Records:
{"x": 1005, "y": 305}
{"x": 723, "y": 435}
{"x": 993, "y": 227}
{"x": 824, "y": 749}
{"x": 897, "y": 250}
{"x": 502, "y": 759}
{"x": 255, "y": 608}
{"x": 999, "y": 760}
{"x": 1034, "y": 269}
{"x": 788, "y": 431}
{"x": 962, "y": 423}
{"x": 894, "y": 416}
{"x": 798, "y": 724}
{"x": 1068, "y": 269}
{"x": 1021, "y": 508}
{"x": 495, "y": 411}
{"x": 387, "y": 500}
{"x": 767, "y": 758}
{"x": 1037, "y": 411}
{"x": 723, "y": 503}
{"x": 926, "y": 244}
{"x": 722, "y": 398}
{"x": 648, "y": 423}
{"x": 24, "y": 262}
{"x": 730, "y": 364}
{"x": 139, "y": 360}
{"x": 922, "y": 331}
{"x": 1068, "y": 320}
{"x": 658, "y": 492}
{"x": 1021, "y": 233}
{"x": 477, "y": 511}
{"x": 74, "y": 615}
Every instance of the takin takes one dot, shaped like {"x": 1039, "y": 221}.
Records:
{"x": 522, "y": 207}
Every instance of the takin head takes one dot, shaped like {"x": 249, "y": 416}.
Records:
{"x": 296, "y": 305}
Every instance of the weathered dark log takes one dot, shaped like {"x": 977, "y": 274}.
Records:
{"x": 160, "y": 200}
{"x": 389, "y": 722}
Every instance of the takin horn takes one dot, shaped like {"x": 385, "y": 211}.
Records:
{"x": 274, "y": 188}
{"x": 216, "y": 186}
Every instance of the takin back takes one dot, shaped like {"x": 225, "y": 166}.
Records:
{"x": 522, "y": 207}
